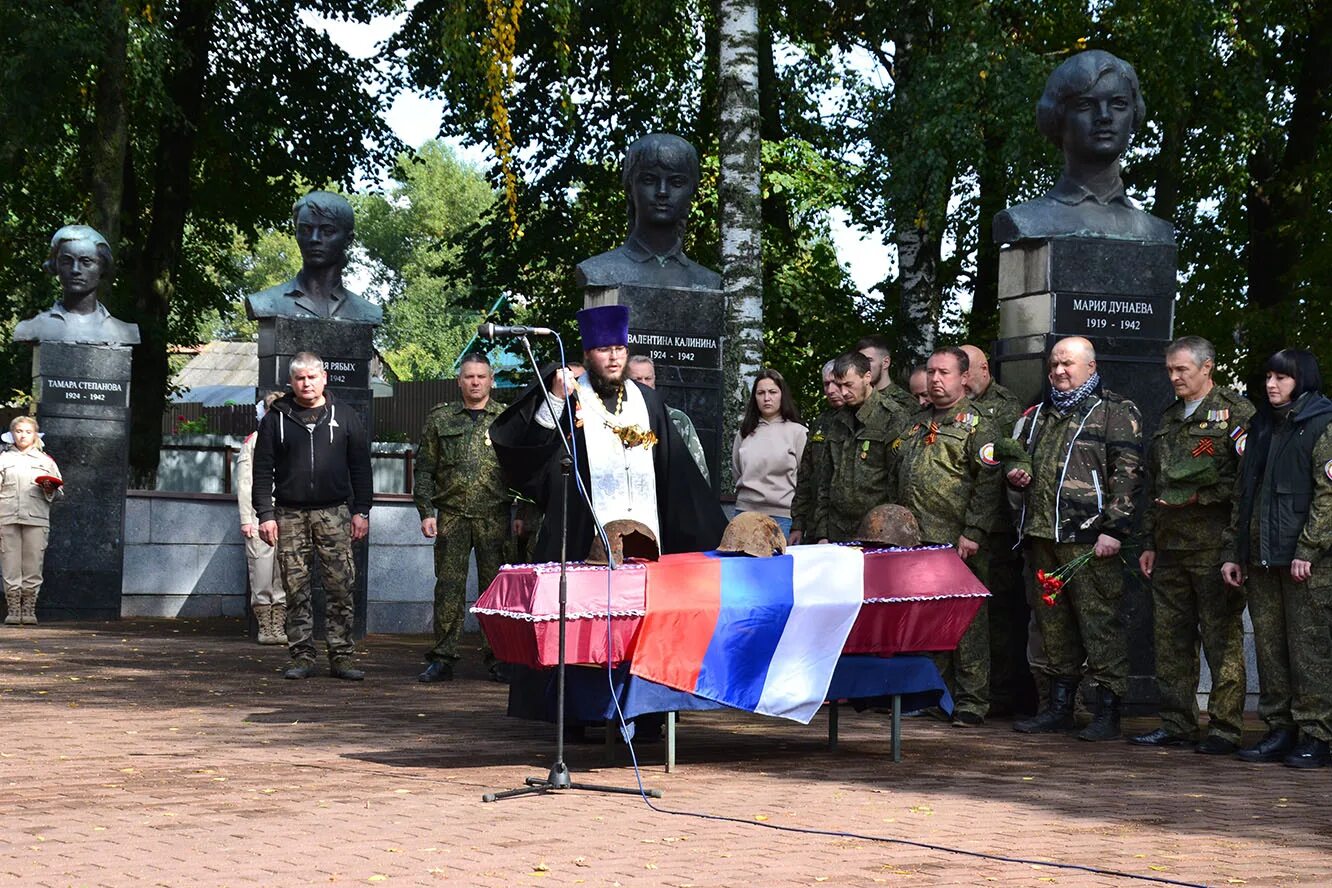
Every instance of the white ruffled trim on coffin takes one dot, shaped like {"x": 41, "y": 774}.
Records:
{"x": 551, "y": 618}
{"x": 910, "y": 598}
{"x": 573, "y": 567}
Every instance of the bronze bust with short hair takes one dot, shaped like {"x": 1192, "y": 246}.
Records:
{"x": 325, "y": 228}
{"x": 81, "y": 258}
{"x": 1090, "y": 109}
{"x": 660, "y": 177}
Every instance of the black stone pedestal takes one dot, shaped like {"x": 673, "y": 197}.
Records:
{"x": 83, "y": 409}
{"x": 346, "y": 349}
{"x": 1121, "y": 296}
{"x": 681, "y": 330}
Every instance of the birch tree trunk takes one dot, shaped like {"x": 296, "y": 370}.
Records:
{"x": 741, "y": 214}
{"x": 918, "y": 279}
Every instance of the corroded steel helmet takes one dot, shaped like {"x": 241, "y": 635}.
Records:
{"x": 754, "y": 534}
{"x": 628, "y": 539}
{"x": 889, "y": 525}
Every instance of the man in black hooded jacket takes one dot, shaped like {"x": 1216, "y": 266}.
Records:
{"x": 310, "y": 460}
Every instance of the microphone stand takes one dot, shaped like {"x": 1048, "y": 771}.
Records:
{"x": 558, "y": 778}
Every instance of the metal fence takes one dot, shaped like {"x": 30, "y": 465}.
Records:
{"x": 397, "y": 418}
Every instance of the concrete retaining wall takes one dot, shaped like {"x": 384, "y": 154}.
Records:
{"x": 185, "y": 557}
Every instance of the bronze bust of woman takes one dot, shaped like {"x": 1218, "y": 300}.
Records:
{"x": 81, "y": 258}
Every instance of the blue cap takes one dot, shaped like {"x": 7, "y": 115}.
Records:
{"x": 604, "y": 325}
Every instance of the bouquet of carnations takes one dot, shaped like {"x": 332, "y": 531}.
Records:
{"x": 1052, "y": 582}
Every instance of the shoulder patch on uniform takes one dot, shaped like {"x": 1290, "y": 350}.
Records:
{"x": 1236, "y": 433}
{"x": 987, "y": 456}
{"x": 1327, "y": 469}
{"x": 1240, "y": 442}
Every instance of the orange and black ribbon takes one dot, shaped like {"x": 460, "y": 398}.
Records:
{"x": 933, "y": 433}
{"x": 1204, "y": 448}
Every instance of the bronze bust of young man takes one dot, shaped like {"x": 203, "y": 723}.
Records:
{"x": 660, "y": 177}
{"x": 324, "y": 230}
{"x": 1090, "y": 109}
{"x": 81, "y": 258}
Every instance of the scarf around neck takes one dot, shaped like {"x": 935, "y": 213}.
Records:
{"x": 1066, "y": 401}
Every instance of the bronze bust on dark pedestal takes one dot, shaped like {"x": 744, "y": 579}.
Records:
{"x": 81, "y": 258}
{"x": 660, "y": 178}
{"x": 1090, "y": 108}
{"x": 324, "y": 229}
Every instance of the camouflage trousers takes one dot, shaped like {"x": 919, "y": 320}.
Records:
{"x": 302, "y": 534}
{"x": 1292, "y": 631}
{"x": 458, "y": 537}
{"x": 966, "y": 668}
{"x": 1010, "y": 677}
{"x": 1191, "y": 603}
{"x": 1086, "y": 624}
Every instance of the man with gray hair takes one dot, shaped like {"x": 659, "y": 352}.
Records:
{"x": 1192, "y": 464}
{"x": 1077, "y": 479}
{"x": 310, "y": 461}
{"x": 643, "y": 370}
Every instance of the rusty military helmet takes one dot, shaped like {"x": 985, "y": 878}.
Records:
{"x": 628, "y": 539}
{"x": 889, "y": 525}
{"x": 754, "y": 534}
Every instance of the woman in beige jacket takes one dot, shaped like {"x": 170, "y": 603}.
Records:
{"x": 25, "y": 518}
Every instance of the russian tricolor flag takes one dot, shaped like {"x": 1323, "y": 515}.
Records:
{"x": 758, "y": 634}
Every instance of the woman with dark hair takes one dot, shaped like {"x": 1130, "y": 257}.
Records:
{"x": 1282, "y": 524}
{"x": 767, "y": 450}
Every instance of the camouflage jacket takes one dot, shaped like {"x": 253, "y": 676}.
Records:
{"x": 1086, "y": 469}
{"x": 945, "y": 471}
{"x": 1192, "y": 467}
{"x": 902, "y": 397}
{"x": 807, "y": 474}
{"x": 855, "y": 458}
{"x": 685, "y": 426}
{"x": 456, "y": 471}
{"x": 1002, "y": 408}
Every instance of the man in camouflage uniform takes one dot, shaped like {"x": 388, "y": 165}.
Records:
{"x": 880, "y": 353}
{"x": 945, "y": 471}
{"x": 807, "y": 480}
{"x": 1010, "y": 680}
{"x": 463, "y": 499}
{"x": 643, "y": 370}
{"x": 855, "y": 459}
{"x": 310, "y": 460}
{"x": 1077, "y": 482}
{"x": 1191, "y": 469}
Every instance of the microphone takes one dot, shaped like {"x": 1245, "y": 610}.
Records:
{"x": 497, "y": 331}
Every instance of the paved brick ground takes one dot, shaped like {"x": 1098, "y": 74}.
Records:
{"x": 173, "y": 753}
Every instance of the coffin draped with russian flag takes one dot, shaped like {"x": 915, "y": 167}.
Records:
{"x": 759, "y": 634}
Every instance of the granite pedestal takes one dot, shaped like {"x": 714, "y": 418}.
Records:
{"x": 681, "y": 330}
{"x": 83, "y": 408}
{"x": 1121, "y": 296}
{"x": 347, "y": 349}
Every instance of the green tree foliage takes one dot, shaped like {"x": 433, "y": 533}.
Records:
{"x": 222, "y": 107}
{"x": 412, "y": 236}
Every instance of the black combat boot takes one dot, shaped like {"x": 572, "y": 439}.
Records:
{"x": 1059, "y": 715}
{"x": 1105, "y": 726}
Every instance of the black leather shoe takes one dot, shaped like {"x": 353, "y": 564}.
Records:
{"x": 437, "y": 671}
{"x": 1160, "y": 737}
{"x": 964, "y": 719}
{"x": 1214, "y": 745}
{"x": 499, "y": 672}
{"x": 1274, "y": 746}
{"x": 299, "y": 669}
{"x": 342, "y": 668}
{"x": 1310, "y": 753}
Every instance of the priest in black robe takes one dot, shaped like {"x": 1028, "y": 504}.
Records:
{"x": 526, "y": 438}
